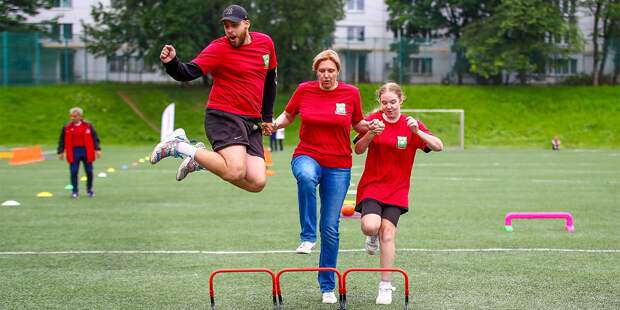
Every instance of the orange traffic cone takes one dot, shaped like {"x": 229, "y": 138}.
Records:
{"x": 26, "y": 155}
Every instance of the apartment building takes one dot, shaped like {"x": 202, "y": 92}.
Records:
{"x": 362, "y": 39}
{"x": 71, "y": 61}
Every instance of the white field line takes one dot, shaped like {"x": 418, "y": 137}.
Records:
{"x": 421, "y": 250}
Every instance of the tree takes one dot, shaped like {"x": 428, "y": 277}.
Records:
{"x": 141, "y": 27}
{"x": 13, "y": 14}
{"x": 438, "y": 19}
{"x": 297, "y": 33}
{"x": 517, "y": 37}
{"x": 606, "y": 20}
{"x": 614, "y": 41}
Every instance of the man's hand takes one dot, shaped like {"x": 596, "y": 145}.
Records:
{"x": 98, "y": 154}
{"x": 267, "y": 128}
{"x": 167, "y": 54}
{"x": 413, "y": 124}
{"x": 61, "y": 156}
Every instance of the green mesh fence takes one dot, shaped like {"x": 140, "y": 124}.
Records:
{"x": 24, "y": 60}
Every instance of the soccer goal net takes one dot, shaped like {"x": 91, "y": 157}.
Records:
{"x": 447, "y": 124}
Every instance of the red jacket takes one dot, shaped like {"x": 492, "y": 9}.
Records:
{"x": 70, "y": 132}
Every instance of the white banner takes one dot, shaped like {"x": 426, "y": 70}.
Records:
{"x": 167, "y": 121}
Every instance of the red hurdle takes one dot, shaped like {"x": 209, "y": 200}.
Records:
{"x": 539, "y": 215}
{"x": 285, "y": 270}
{"x": 276, "y": 288}
{"x": 274, "y": 284}
{"x": 343, "y": 295}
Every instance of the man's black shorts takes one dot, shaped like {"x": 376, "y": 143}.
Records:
{"x": 386, "y": 211}
{"x": 225, "y": 129}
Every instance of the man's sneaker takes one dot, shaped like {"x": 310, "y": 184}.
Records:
{"x": 189, "y": 165}
{"x": 372, "y": 245}
{"x": 329, "y": 298}
{"x": 385, "y": 294}
{"x": 168, "y": 147}
{"x": 305, "y": 247}
{"x": 74, "y": 195}
{"x": 91, "y": 194}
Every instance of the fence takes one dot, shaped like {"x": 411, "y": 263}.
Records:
{"x": 28, "y": 58}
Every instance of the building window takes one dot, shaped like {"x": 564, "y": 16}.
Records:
{"x": 567, "y": 6}
{"x": 62, "y": 31}
{"x": 355, "y": 5}
{"x": 562, "y": 66}
{"x": 422, "y": 66}
{"x": 558, "y": 39}
{"x": 355, "y": 33}
{"x": 61, "y": 3}
{"x": 128, "y": 64}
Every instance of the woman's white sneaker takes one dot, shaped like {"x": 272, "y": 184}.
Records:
{"x": 305, "y": 247}
{"x": 329, "y": 298}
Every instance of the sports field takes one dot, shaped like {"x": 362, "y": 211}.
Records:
{"x": 149, "y": 242}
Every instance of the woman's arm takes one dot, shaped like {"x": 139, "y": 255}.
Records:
{"x": 283, "y": 121}
{"x": 361, "y": 127}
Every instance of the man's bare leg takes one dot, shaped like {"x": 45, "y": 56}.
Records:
{"x": 234, "y": 165}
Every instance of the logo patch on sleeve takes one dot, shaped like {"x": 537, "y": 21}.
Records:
{"x": 401, "y": 142}
{"x": 266, "y": 61}
{"x": 341, "y": 108}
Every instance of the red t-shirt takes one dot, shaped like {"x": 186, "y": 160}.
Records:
{"x": 389, "y": 162}
{"x": 326, "y": 119}
{"x": 238, "y": 73}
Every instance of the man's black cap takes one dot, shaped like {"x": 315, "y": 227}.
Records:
{"x": 234, "y": 13}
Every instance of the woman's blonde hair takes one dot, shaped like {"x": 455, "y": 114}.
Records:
{"x": 391, "y": 87}
{"x": 326, "y": 55}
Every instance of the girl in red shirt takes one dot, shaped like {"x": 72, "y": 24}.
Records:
{"x": 383, "y": 190}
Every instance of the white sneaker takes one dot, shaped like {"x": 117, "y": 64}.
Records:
{"x": 305, "y": 247}
{"x": 189, "y": 165}
{"x": 385, "y": 294}
{"x": 329, "y": 298}
{"x": 168, "y": 147}
{"x": 372, "y": 244}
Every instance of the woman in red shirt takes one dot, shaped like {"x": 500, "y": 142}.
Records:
{"x": 328, "y": 108}
{"x": 383, "y": 190}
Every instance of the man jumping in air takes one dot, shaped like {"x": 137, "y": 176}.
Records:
{"x": 243, "y": 67}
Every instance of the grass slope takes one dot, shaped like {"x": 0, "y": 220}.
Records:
{"x": 495, "y": 116}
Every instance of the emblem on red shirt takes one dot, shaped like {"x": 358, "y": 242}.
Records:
{"x": 266, "y": 60}
{"x": 341, "y": 108}
{"x": 401, "y": 142}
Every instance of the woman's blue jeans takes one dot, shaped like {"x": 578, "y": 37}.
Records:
{"x": 333, "y": 185}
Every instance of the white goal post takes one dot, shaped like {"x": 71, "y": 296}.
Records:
{"x": 460, "y": 112}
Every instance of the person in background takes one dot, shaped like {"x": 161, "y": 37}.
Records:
{"x": 280, "y": 138}
{"x": 273, "y": 147}
{"x": 79, "y": 142}
{"x": 555, "y": 143}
